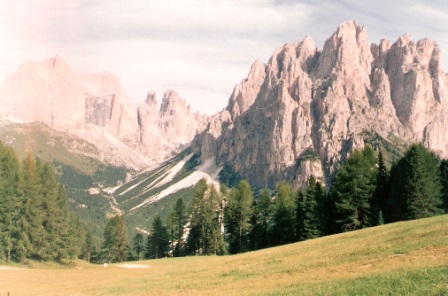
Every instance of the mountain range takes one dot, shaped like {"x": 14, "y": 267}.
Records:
{"x": 300, "y": 114}
{"x": 94, "y": 107}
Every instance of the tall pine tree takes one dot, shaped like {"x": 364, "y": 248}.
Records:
{"x": 262, "y": 219}
{"x": 206, "y": 212}
{"x": 352, "y": 190}
{"x": 115, "y": 241}
{"x": 444, "y": 180}
{"x": 238, "y": 213}
{"x": 10, "y": 182}
{"x": 416, "y": 189}
{"x": 309, "y": 224}
{"x": 283, "y": 220}
{"x": 157, "y": 243}
{"x": 378, "y": 201}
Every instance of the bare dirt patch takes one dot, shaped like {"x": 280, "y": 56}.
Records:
{"x": 133, "y": 266}
{"x": 8, "y": 268}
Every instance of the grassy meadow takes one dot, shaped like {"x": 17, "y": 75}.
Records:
{"x": 406, "y": 258}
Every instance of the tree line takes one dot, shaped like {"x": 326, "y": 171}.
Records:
{"x": 364, "y": 193}
{"x": 35, "y": 221}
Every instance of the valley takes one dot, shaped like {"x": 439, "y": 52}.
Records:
{"x": 324, "y": 141}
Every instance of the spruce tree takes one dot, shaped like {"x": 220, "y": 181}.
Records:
{"x": 283, "y": 226}
{"x": 416, "y": 188}
{"x": 238, "y": 213}
{"x": 198, "y": 209}
{"x": 32, "y": 235}
{"x": 206, "y": 212}
{"x": 9, "y": 201}
{"x": 308, "y": 222}
{"x": 115, "y": 242}
{"x": 138, "y": 245}
{"x": 352, "y": 190}
{"x": 263, "y": 216}
{"x": 157, "y": 243}
{"x": 88, "y": 247}
{"x": 444, "y": 180}
{"x": 171, "y": 227}
{"x": 378, "y": 201}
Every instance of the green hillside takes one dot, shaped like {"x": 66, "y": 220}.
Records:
{"x": 76, "y": 171}
{"x": 87, "y": 180}
{"x": 406, "y": 258}
{"x": 50, "y": 145}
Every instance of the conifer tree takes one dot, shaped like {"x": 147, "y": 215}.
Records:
{"x": 416, "y": 189}
{"x": 171, "y": 227}
{"x": 378, "y": 201}
{"x": 283, "y": 226}
{"x": 176, "y": 221}
{"x": 181, "y": 218}
{"x": 444, "y": 180}
{"x": 352, "y": 190}
{"x": 88, "y": 247}
{"x": 308, "y": 214}
{"x": 263, "y": 216}
{"x": 157, "y": 243}
{"x": 32, "y": 235}
{"x": 206, "y": 212}
{"x": 114, "y": 243}
{"x": 238, "y": 212}
{"x": 9, "y": 201}
{"x": 138, "y": 245}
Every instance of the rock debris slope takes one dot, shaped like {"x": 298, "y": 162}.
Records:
{"x": 306, "y": 109}
{"x": 96, "y": 108}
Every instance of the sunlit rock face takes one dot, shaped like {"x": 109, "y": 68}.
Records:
{"x": 307, "y": 109}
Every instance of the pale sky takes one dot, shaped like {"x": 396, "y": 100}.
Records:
{"x": 200, "y": 48}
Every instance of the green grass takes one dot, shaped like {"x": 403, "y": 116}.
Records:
{"x": 407, "y": 258}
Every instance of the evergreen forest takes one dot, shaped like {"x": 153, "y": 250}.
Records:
{"x": 36, "y": 223}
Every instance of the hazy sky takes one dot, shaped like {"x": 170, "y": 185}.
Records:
{"x": 201, "y": 48}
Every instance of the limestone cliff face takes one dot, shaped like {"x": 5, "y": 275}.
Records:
{"x": 96, "y": 108}
{"x": 169, "y": 127}
{"x": 305, "y": 110}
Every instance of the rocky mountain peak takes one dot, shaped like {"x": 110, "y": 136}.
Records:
{"x": 306, "y": 110}
{"x": 346, "y": 49}
{"x": 172, "y": 103}
{"x": 244, "y": 93}
{"x": 151, "y": 98}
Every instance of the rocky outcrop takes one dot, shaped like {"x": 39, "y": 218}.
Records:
{"x": 306, "y": 110}
{"x": 168, "y": 128}
{"x": 96, "y": 108}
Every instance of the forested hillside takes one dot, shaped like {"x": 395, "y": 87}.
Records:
{"x": 364, "y": 193}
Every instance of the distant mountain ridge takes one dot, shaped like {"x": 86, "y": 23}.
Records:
{"x": 96, "y": 108}
{"x": 307, "y": 109}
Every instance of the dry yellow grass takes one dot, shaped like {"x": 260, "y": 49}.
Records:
{"x": 409, "y": 256}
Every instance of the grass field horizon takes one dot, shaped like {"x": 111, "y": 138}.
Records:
{"x": 405, "y": 258}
